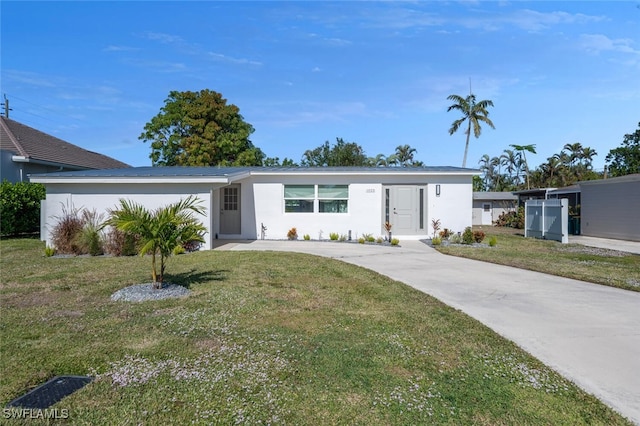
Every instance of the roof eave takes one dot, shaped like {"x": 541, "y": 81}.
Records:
{"x": 224, "y": 180}
{"x": 25, "y": 159}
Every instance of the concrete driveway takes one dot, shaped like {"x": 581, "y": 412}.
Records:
{"x": 588, "y": 333}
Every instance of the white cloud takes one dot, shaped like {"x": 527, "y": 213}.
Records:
{"x": 596, "y": 43}
{"x": 112, "y": 48}
{"x": 240, "y": 61}
{"x": 162, "y": 37}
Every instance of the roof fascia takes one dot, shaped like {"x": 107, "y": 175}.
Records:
{"x": 161, "y": 180}
{"x": 361, "y": 173}
{"x": 23, "y": 159}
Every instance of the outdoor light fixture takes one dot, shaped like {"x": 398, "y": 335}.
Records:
{"x": 438, "y": 190}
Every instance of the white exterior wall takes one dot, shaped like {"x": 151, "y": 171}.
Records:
{"x": 497, "y": 208}
{"x": 366, "y": 205}
{"x": 262, "y": 202}
{"x": 363, "y": 216}
{"x": 453, "y": 206}
{"x": 103, "y": 197}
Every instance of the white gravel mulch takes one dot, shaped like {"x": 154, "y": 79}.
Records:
{"x": 143, "y": 292}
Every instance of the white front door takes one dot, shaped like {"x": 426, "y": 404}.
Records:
{"x": 230, "y": 210}
{"x": 487, "y": 214}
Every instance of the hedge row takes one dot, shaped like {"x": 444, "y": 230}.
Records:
{"x": 20, "y": 207}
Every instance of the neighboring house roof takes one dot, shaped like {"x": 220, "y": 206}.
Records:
{"x": 488, "y": 195}
{"x": 230, "y": 174}
{"x": 33, "y": 146}
{"x": 627, "y": 178}
{"x": 571, "y": 189}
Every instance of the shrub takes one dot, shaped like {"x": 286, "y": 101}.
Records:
{"x": 379, "y": 240}
{"x": 361, "y": 240}
{"x": 455, "y": 239}
{"x": 512, "y": 219}
{"x": 179, "y": 250}
{"x": 65, "y": 235}
{"x": 119, "y": 243}
{"x": 467, "y": 236}
{"x": 49, "y": 251}
{"x": 343, "y": 237}
{"x": 306, "y": 237}
{"x": 90, "y": 238}
{"x": 368, "y": 238}
{"x": 478, "y": 236}
{"x": 292, "y": 234}
{"x": 395, "y": 241}
{"x": 493, "y": 241}
{"x": 435, "y": 224}
{"x": 191, "y": 246}
{"x": 20, "y": 207}
{"x": 333, "y": 236}
{"x": 436, "y": 241}
{"x": 445, "y": 234}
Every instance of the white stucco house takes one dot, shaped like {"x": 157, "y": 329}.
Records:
{"x": 488, "y": 206}
{"x": 241, "y": 202}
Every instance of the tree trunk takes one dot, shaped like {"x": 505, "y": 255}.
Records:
{"x": 466, "y": 146}
{"x": 154, "y": 276}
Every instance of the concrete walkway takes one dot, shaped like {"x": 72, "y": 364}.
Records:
{"x": 622, "y": 245}
{"x": 588, "y": 333}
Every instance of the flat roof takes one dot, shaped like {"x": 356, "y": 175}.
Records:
{"x": 494, "y": 195}
{"x": 228, "y": 174}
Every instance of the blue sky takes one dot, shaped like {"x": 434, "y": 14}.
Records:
{"x": 375, "y": 73}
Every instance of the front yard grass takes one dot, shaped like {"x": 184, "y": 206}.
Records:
{"x": 596, "y": 265}
{"x": 279, "y": 338}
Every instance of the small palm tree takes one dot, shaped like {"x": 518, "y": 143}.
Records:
{"x": 473, "y": 112}
{"x": 161, "y": 230}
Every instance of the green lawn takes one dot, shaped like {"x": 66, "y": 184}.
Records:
{"x": 590, "y": 264}
{"x": 264, "y": 337}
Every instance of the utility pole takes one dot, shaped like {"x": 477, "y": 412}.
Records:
{"x": 6, "y": 106}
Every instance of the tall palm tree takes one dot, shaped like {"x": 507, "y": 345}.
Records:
{"x": 161, "y": 230}
{"x": 522, "y": 148}
{"x": 473, "y": 113}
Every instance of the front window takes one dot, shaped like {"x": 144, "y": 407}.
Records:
{"x": 333, "y": 198}
{"x": 302, "y": 198}
{"x": 299, "y": 198}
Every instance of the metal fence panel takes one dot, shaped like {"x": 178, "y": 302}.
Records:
{"x": 548, "y": 219}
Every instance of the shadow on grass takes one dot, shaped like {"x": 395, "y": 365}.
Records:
{"x": 186, "y": 279}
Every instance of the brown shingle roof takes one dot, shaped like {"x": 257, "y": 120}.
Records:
{"x": 36, "y": 145}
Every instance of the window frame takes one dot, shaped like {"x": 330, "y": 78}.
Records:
{"x": 319, "y": 200}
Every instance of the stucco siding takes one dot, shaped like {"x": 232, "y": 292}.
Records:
{"x": 611, "y": 210}
{"x": 101, "y": 198}
{"x": 453, "y": 206}
{"x": 262, "y": 200}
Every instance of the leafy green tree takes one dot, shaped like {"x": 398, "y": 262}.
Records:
{"x": 20, "y": 207}
{"x": 200, "y": 129}
{"x": 340, "y": 154}
{"x": 160, "y": 231}
{"x": 473, "y": 113}
{"x": 625, "y": 159}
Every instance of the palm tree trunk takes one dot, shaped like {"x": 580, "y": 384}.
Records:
{"x": 466, "y": 146}
{"x": 154, "y": 276}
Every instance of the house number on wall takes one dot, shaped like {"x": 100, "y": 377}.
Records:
{"x": 371, "y": 190}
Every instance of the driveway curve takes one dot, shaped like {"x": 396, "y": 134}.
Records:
{"x": 589, "y": 333}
